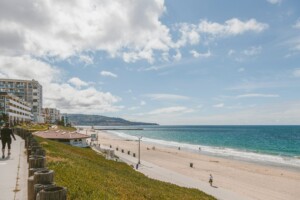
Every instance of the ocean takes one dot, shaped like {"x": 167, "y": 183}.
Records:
{"x": 271, "y": 145}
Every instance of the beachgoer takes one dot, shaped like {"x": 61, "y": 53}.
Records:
{"x": 6, "y": 134}
{"x": 210, "y": 180}
{"x": 137, "y": 166}
{"x": 199, "y": 148}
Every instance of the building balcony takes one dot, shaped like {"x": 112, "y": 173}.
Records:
{"x": 11, "y": 108}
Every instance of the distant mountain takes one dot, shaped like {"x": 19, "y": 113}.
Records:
{"x": 99, "y": 120}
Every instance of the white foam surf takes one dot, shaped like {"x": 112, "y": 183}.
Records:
{"x": 222, "y": 152}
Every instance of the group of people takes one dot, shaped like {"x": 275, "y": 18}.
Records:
{"x": 6, "y": 136}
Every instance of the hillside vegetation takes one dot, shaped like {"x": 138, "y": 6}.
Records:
{"x": 89, "y": 176}
{"x": 34, "y": 127}
{"x": 99, "y": 120}
{"x": 43, "y": 127}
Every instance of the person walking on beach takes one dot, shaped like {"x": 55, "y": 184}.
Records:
{"x": 6, "y": 134}
{"x": 210, "y": 180}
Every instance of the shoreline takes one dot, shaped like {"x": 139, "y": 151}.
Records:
{"x": 250, "y": 156}
{"x": 233, "y": 158}
{"x": 250, "y": 180}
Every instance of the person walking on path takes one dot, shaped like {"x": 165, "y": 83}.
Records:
{"x": 210, "y": 180}
{"x": 6, "y": 134}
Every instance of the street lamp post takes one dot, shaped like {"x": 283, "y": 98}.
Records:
{"x": 139, "y": 161}
{"x": 97, "y": 138}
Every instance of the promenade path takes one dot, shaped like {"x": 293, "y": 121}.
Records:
{"x": 14, "y": 172}
{"x": 156, "y": 172}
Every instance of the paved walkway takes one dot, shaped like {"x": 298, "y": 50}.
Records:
{"x": 163, "y": 174}
{"x": 14, "y": 172}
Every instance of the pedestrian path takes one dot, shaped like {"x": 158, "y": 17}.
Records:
{"x": 156, "y": 172}
{"x": 14, "y": 172}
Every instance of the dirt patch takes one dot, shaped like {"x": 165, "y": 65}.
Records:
{"x": 44, "y": 143}
{"x": 56, "y": 159}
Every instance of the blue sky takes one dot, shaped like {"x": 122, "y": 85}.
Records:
{"x": 170, "y": 62}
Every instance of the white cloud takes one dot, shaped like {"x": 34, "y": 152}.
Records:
{"x": 283, "y": 113}
{"x": 171, "y": 110}
{"x": 274, "y": 1}
{"x": 220, "y": 105}
{"x": 243, "y": 55}
{"x": 73, "y": 100}
{"x": 241, "y": 69}
{"x": 189, "y": 35}
{"x": 257, "y": 95}
{"x": 294, "y": 43}
{"x": 200, "y": 55}
{"x": 247, "y": 86}
{"x": 107, "y": 73}
{"x": 297, "y": 25}
{"x": 165, "y": 56}
{"x": 233, "y": 26}
{"x": 200, "y": 106}
{"x": 25, "y": 67}
{"x": 166, "y": 97}
{"x": 134, "y": 108}
{"x": 67, "y": 28}
{"x": 88, "y": 60}
{"x": 231, "y": 52}
{"x": 252, "y": 51}
{"x": 138, "y": 55}
{"x": 56, "y": 93}
{"x": 77, "y": 82}
{"x": 130, "y": 29}
{"x": 296, "y": 72}
{"x": 177, "y": 56}
{"x": 143, "y": 103}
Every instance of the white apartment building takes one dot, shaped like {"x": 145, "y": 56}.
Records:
{"x": 29, "y": 90}
{"x": 51, "y": 115}
{"x": 16, "y": 108}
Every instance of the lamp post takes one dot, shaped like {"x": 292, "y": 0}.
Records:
{"x": 97, "y": 138}
{"x": 139, "y": 161}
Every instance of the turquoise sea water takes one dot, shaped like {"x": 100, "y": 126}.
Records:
{"x": 270, "y": 144}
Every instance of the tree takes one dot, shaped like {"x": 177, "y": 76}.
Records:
{"x": 4, "y": 118}
{"x": 61, "y": 122}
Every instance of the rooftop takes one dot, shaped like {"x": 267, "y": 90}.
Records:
{"x": 60, "y": 134}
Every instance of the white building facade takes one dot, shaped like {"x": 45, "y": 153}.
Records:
{"x": 16, "y": 108}
{"x": 51, "y": 115}
{"x": 29, "y": 90}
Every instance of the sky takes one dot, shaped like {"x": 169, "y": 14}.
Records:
{"x": 173, "y": 62}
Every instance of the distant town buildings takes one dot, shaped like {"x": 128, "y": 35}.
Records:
{"x": 51, "y": 115}
{"x": 29, "y": 90}
{"x": 65, "y": 120}
{"x": 16, "y": 109}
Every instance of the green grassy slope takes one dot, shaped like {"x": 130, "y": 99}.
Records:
{"x": 43, "y": 127}
{"x": 89, "y": 176}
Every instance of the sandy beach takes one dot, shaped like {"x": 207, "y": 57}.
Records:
{"x": 232, "y": 179}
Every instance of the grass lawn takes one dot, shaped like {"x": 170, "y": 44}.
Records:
{"x": 89, "y": 176}
{"x": 66, "y": 128}
{"x": 34, "y": 127}
{"x": 43, "y": 127}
